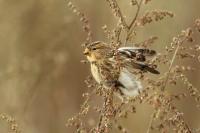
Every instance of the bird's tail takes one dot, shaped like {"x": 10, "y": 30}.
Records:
{"x": 144, "y": 67}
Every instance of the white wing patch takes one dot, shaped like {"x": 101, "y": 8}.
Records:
{"x": 131, "y": 84}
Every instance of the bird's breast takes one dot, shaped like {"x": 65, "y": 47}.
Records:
{"x": 95, "y": 73}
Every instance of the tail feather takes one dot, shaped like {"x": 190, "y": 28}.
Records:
{"x": 152, "y": 70}
{"x": 144, "y": 67}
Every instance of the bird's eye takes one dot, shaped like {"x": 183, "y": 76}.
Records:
{"x": 94, "y": 48}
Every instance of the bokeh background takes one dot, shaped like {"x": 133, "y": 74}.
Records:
{"x": 41, "y": 76}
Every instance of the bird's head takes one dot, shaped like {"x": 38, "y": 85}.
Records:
{"x": 96, "y": 51}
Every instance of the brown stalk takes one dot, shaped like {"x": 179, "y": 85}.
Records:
{"x": 133, "y": 22}
{"x": 136, "y": 15}
{"x": 171, "y": 64}
{"x": 119, "y": 13}
{"x": 151, "y": 122}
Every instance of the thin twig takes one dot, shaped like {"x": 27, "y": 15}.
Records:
{"x": 151, "y": 122}
{"x": 171, "y": 64}
{"x": 133, "y": 22}
{"x": 119, "y": 13}
{"x": 100, "y": 122}
{"x": 105, "y": 117}
{"x": 83, "y": 19}
{"x": 136, "y": 15}
{"x": 118, "y": 35}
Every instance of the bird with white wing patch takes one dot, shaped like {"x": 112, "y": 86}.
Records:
{"x": 111, "y": 68}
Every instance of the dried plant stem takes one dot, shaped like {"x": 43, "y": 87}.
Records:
{"x": 12, "y": 124}
{"x": 121, "y": 16}
{"x": 133, "y": 22}
{"x": 118, "y": 35}
{"x": 100, "y": 124}
{"x": 188, "y": 129}
{"x": 83, "y": 19}
{"x": 115, "y": 7}
{"x": 100, "y": 121}
{"x": 151, "y": 122}
{"x": 106, "y": 113}
{"x": 136, "y": 15}
{"x": 171, "y": 64}
{"x": 182, "y": 121}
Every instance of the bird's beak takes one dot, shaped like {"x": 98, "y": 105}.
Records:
{"x": 86, "y": 52}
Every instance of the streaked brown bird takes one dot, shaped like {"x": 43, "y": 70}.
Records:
{"x": 113, "y": 68}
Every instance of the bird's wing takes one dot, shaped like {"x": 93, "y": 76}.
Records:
{"x": 135, "y": 58}
{"x": 136, "y": 53}
{"x": 144, "y": 67}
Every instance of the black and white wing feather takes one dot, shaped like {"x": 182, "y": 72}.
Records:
{"x": 139, "y": 54}
{"x": 137, "y": 57}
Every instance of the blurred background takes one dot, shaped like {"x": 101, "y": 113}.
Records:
{"x": 41, "y": 76}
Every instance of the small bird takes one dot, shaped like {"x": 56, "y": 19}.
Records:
{"x": 114, "y": 68}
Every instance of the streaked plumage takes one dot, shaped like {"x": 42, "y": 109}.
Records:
{"x": 112, "y": 70}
